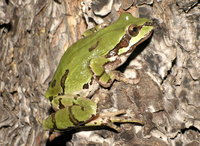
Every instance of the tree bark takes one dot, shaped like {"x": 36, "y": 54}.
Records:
{"x": 35, "y": 34}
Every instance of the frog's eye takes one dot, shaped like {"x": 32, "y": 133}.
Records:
{"x": 133, "y": 30}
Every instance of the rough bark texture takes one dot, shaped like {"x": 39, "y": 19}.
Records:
{"x": 35, "y": 34}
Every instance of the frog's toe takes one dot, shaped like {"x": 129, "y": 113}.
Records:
{"x": 127, "y": 77}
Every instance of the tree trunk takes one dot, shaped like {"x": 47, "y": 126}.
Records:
{"x": 35, "y": 34}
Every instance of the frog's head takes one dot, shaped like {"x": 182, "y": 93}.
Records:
{"x": 135, "y": 31}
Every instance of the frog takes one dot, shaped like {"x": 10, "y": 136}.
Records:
{"x": 87, "y": 65}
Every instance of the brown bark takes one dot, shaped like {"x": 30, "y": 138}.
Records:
{"x": 35, "y": 34}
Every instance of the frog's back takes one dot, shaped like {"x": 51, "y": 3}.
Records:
{"x": 73, "y": 71}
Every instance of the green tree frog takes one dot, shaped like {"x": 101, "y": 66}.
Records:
{"x": 88, "y": 64}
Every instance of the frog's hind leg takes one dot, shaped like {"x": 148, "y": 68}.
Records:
{"x": 110, "y": 118}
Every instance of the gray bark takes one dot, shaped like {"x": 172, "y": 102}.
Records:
{"x": 35, "y": 34}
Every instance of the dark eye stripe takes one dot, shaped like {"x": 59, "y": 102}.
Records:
{"x": 124, "y": 42}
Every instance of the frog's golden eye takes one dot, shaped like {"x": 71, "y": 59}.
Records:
{"x": 133, "y": 30}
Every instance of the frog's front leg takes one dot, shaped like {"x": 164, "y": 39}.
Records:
{"x": 97, "y": 67}
{"x": 130, "y": 76}
{"x": 105, "y": 73}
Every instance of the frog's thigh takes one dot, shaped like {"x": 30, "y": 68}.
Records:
{"x": 97, "y": 67}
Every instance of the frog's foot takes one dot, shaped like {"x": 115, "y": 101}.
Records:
{"x": 109, "y": 118}
{"x": 106, "y": 78}
{"x": 130, "y": 76}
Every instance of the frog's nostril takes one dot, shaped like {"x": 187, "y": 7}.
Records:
{"x": 148, "y": 23}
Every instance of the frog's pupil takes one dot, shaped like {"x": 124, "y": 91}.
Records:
{"x": 135, "y": 30}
